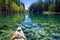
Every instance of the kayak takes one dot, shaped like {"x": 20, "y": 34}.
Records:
{"x": 18, "y": 35}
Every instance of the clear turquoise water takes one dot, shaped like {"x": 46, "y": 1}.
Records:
{"x": 41, "y": 27}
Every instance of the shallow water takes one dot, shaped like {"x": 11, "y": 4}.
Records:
{"x": 35, "y": 31}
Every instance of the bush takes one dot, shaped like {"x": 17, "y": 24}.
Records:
{"x": 52, "y": 7}
{"x": 14, "y": 7}
{"x": 21, "y": 8}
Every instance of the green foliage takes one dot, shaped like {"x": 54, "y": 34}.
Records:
{"x": 6, "y": 2}
{"x": 52, "y": 7}
{"x": 36, "y": 8}
{"x": 11, "y": 6}
{"x": 15, "y": 7}
{"x": 21, "y": 8}
{"x": 0, "y": 1}
{"x": 47, "y": 5}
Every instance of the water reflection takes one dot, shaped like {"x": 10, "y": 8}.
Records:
{"x": 28, "y": 22}
{"x": 27, "y": 18}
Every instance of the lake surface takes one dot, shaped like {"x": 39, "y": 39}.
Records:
{"x": 41, "y": 27}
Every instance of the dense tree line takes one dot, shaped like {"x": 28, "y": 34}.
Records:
{"x": 11, "y": 6}
{"x": 47, "y": 5}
